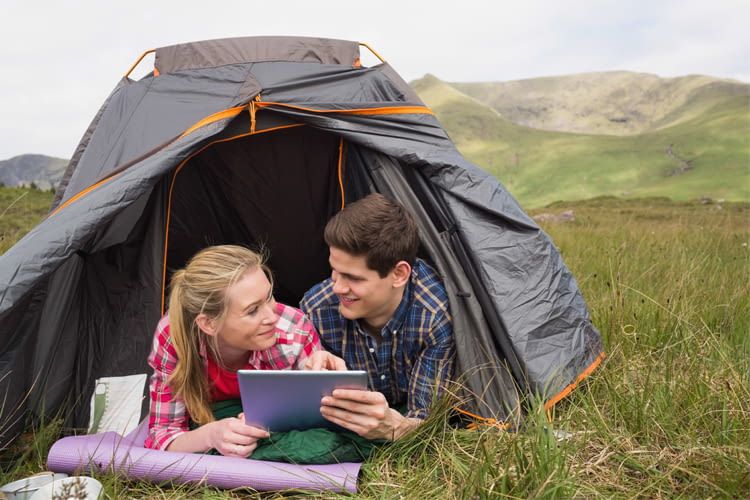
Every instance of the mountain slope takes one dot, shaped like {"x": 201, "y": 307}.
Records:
{"x": 616, "y": 103}
{"x": 43, "y": 171}
{"x": 699, "y": 148}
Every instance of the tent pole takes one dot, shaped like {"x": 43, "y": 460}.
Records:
{"x": 139, "y": 61}
{"x": 363, "y": 44}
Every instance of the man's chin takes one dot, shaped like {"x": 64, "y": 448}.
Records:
{"x": 347, "y": 313}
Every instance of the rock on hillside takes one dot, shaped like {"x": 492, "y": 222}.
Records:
{"x": 43, "y": 171}
{"x": 611, "y": 103}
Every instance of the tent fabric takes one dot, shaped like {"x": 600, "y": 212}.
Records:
{"x": 213, "y": 53}
{"x": 165, "y": 169}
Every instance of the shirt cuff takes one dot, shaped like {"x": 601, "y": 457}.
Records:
{"x": 164, "y": 440}
{"x": 421, "y": 414}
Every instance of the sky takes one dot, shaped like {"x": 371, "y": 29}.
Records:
{"x": 60, "y": 59}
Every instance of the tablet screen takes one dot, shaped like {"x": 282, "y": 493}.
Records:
{"x": 284, "y": 400}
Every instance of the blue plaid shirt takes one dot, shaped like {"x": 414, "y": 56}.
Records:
{"x": 414, "y": 359}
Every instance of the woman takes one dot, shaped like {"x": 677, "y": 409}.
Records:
{"x": 222, "y": 317}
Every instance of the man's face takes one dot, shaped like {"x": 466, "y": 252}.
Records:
{"x": 362, "y": 293}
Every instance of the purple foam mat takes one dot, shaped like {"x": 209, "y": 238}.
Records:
{"x": 111, "y": 452}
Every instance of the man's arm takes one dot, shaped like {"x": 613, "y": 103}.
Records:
{"x": 433, "y": 370}
{"x": 367, "y": 412}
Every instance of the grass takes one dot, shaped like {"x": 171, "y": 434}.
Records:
{"x": 666, "y": 415}
{"x": 20, "y": 210}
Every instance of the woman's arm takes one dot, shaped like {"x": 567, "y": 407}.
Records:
{"x": 312, "y": 356}
{"x": 169, "y": 421}
{"x": 167, "y": 416}
{"x": 228, "y": 436}
{"x": 324, "y": 360}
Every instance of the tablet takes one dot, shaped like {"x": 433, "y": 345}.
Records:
{"x": 284, "y": 400}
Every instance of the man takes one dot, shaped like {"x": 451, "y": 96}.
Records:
{"x": 384, "y": 311}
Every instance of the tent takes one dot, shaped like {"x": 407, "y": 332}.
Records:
{"x": 260, "y": 140}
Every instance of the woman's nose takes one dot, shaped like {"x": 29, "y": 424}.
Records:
{"x": 271, "y": 316}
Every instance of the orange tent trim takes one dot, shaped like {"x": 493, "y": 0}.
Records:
{"x": 588, "y": 371}
{"x": 390, "y": 110}
{"x": 171, "y": 187}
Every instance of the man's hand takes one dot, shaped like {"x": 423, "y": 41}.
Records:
{"x": 322, "y": 360}
{"x": 367, "y": 413}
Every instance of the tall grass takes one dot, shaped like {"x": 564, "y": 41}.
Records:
{"x": 669, "y": 286}
{"x": 20, "y": 210}
{"x": 668, "y": 412}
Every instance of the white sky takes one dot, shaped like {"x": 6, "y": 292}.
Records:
{"x": 60, "y": 59}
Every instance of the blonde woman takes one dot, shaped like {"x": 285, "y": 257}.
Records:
{"x": 222, "y": 317}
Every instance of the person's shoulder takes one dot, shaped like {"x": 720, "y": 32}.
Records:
{"x": 290, "y": 318}
{"x": 292, "y": 328}
{"x": 161, "y": 334}
{"x": 429, "y": 290}
{"x": 319, "y": 296}
{"x": 162, "y": 347}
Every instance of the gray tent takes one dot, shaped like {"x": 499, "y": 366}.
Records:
{"x": 252, "y": 140}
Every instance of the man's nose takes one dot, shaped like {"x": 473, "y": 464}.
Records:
{"x": 339, "y": 286}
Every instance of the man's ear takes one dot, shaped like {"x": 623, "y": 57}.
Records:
{"x": 206, "y": 324}
{"x": 401, "y": 273}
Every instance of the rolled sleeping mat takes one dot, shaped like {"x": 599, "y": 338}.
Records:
{"x": 110, "y": 452}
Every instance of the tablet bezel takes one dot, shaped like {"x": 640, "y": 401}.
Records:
{"x": 284, "y": 400}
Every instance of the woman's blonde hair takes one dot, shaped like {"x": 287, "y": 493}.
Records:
{"x": 200, "y": 287}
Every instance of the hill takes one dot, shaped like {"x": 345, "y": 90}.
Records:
{"x": 43, "y": 171}
{"x": 613, "y": 103}
{"x": 695, "y": 148}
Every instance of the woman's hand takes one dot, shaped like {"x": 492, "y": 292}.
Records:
{"x": 323, "y": 360}
{"x": 233, "y": 438}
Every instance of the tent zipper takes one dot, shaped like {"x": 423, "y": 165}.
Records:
{"x": 252, "y": 108}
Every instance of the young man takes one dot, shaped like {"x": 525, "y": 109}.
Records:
{"x": 384, "y": 311}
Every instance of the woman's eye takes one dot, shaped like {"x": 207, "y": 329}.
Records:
{"x": 252, "y": 312}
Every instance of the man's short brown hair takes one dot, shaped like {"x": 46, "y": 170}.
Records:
{"x": 379, "y": 229}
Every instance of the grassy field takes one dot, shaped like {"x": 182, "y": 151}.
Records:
{"x": 666, "y": 415}
{"x": 20, "y": 210}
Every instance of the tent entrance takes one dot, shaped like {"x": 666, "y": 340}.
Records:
{"x": 274, "y": 191}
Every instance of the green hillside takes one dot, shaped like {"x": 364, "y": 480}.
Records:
{"x": 20, "y": 210}
{"x": 700, "y": 147}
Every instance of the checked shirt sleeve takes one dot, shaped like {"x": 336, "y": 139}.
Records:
{"x": 311, "y": 342}
{"x": 433, "y": 369}
{"x": 296, "y": 340}
{"x": 167, "y": 417}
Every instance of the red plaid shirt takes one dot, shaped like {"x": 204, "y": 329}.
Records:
{"x": 296, "y": 340}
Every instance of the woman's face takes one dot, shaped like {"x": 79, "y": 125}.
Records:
{"x": 250, "y": 321}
